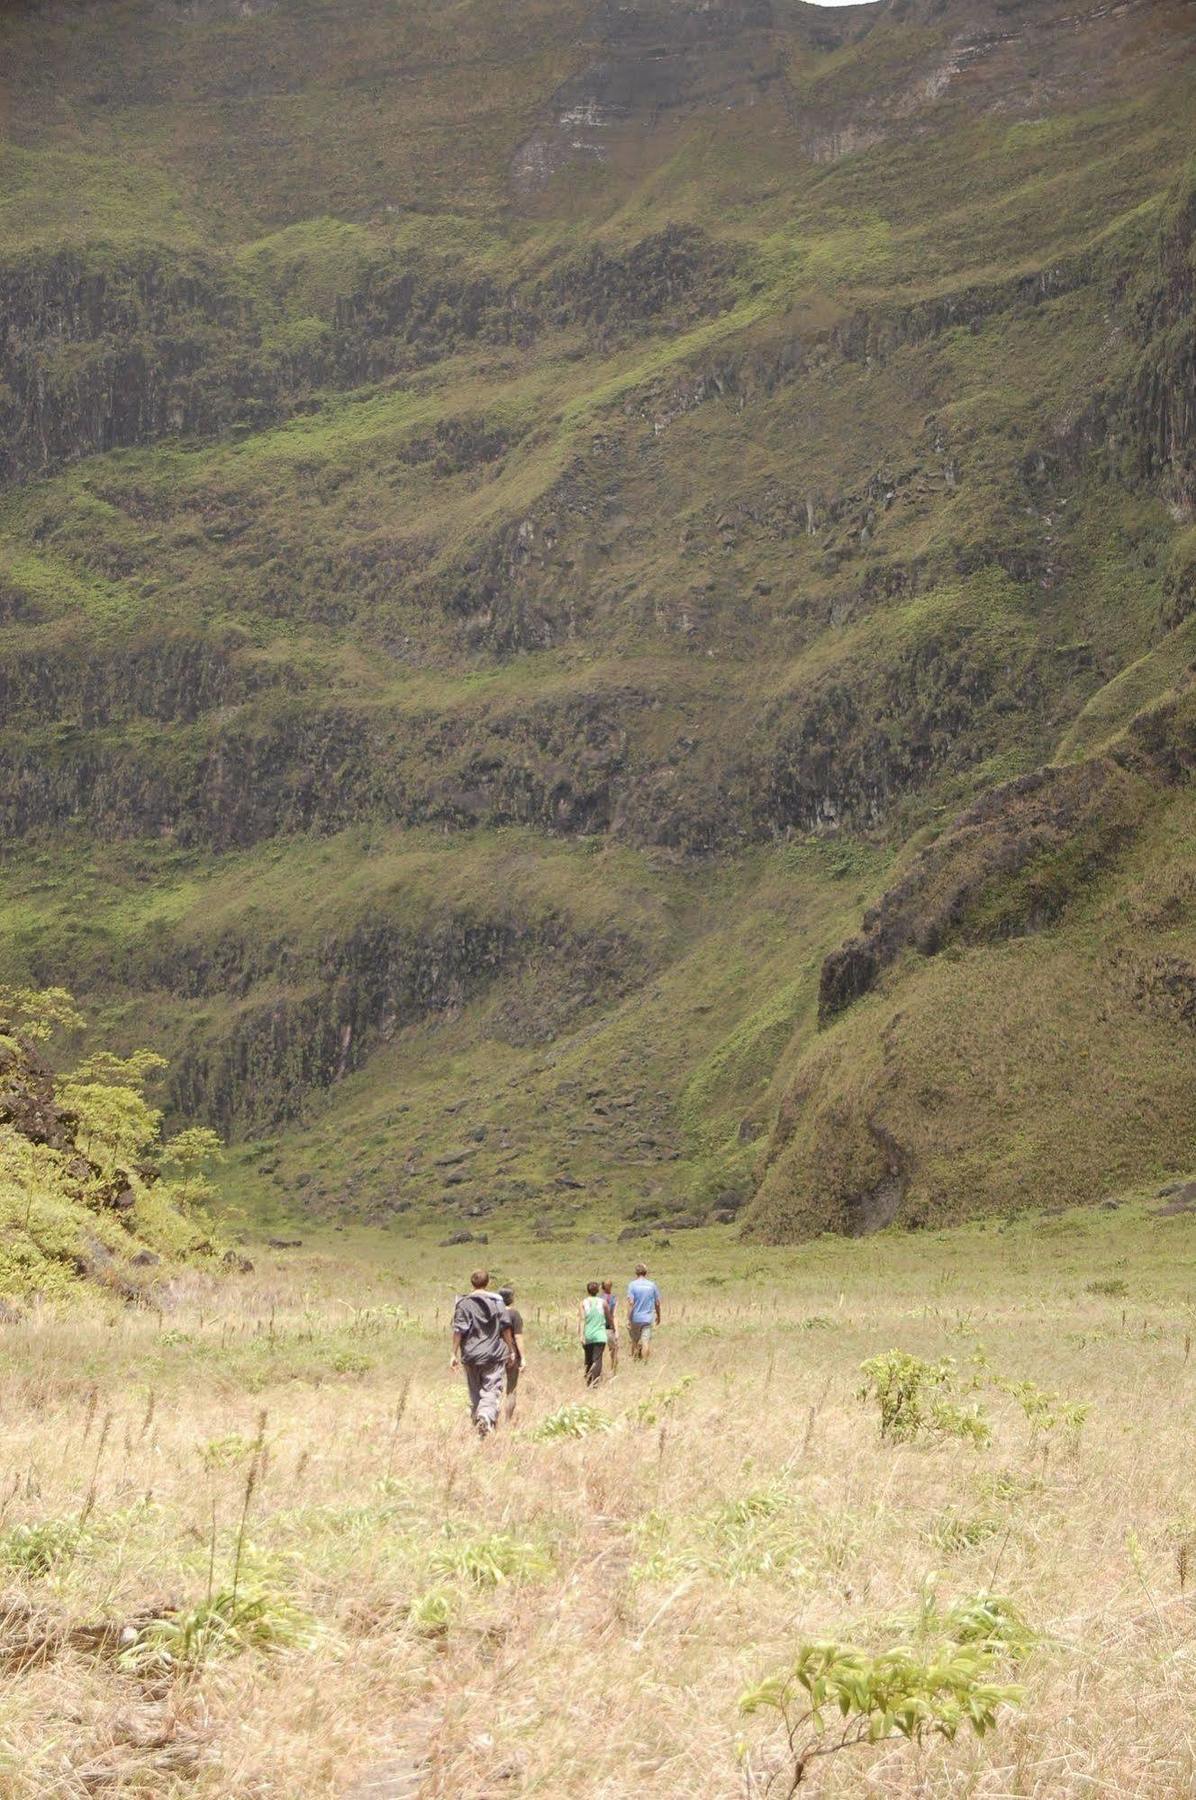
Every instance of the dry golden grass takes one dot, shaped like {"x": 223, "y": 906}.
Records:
{"x": 656, "y": 1569}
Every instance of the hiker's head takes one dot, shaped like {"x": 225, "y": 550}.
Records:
{"x": 607, "y": 1287}
{"x": 641, "y": 1268}
{"x": 480, "y": 1278}
{"x": 591, "y": 1287}
{"x": 506, "y": 1295}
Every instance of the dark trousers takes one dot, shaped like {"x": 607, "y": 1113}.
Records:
{"x": 593, "y": 1362}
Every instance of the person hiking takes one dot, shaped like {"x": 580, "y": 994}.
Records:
{"x": 518, "y": 1362}
{"x": 483, "y": 1344}
{"x": 591, "y": 1326}
{"x": 643, "y": 1313}
{"x": 611, "y": 1307}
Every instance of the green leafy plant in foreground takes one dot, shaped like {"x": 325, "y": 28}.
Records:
{"x": 903, "y": 1387}
{"x": 431, "y": 1614}
{"x": 228, "y": 1623}
{"x": 490, "y": 1561}
{"x": 835, "y": 1696}
{"x": 651, "y": 1408}
{"x": 37, "y": 1549}
{"x": 1045, "y": 1411}
{"x": 576, "y": 1420}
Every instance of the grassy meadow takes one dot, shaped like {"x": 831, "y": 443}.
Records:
{"x": 250, "y": 1546}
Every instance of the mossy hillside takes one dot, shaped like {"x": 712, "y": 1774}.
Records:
{"x": 268, "y": 978}
{"x": 51, "y": 1243}
{"x": 1033, "y": 1047}
{"x": 467, "y": 1121}
{"x": 727, "y": 487}
{"x": 669, "y": 962}
{"x": 938, "y": 520}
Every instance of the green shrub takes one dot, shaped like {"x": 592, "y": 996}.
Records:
{"x": 650, "y": 1409}
{"x": 1046, "y": 1411}
{"x": 903, "y": 1387}
{"x": 490, "y": 1561}
{"x": 966, "y": 1422}
{"x": 36, "y": 1549}
{"x": 430, "y": 1614}
{"x": 227, "y": 1624}
{"x": 576, "y": 1420}
{"x": 835, "y": 1696}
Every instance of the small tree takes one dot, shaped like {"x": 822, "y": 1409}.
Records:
{"x": 36, "y": 1013}
{"x": 903, "y": 1387}
{"x": 115, "y": 1122}
{"x": 114, "y": 1125}
{"x": 190, "y": 1152}
{"x": 119, "y": 1071}
{"x": 835, "y": 1697}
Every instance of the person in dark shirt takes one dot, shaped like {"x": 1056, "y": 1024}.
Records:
{"x": 518, "y": 1362}
{"x": 483, "y": 1344}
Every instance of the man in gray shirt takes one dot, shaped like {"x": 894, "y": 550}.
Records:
{"x": 483, "y": 1344}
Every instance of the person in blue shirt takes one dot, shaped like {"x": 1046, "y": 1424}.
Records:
{"x": 643, "y": 1313}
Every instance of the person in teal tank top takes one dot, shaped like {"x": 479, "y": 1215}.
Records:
{"x": 591, "y": 1326}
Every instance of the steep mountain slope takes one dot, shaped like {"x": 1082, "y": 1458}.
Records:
{"x": 522, "y": 525}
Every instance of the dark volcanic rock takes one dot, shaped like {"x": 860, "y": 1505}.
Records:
{"x": 27, "y": 1101}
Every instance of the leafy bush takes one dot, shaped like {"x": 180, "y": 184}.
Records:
{"x": 966, "y": 1422}
{"x": 1046, "y": 1411}
{"x": 903, "y": 1386}
{"x": 576, "y": 1420}
{"x": 649, "y": 1410}
{"x": 190, "y": 1153}
{"x": 115, "y": 1122}
{"x": 36, "y": 1549}
{"x": 431, "y": 1614}
{"x": 898, "y": 1693}
{"x": 835, "y": 1696}
{"x": 37, "y": 1012}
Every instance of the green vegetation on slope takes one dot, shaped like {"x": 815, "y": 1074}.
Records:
{"x": 82, "y": 1193}
{"x": 520, "y": 526}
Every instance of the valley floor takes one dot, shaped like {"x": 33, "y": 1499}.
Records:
{"x": 417, "y": 1614}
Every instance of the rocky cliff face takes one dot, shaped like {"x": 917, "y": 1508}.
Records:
{"x": 103, "y": 349}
